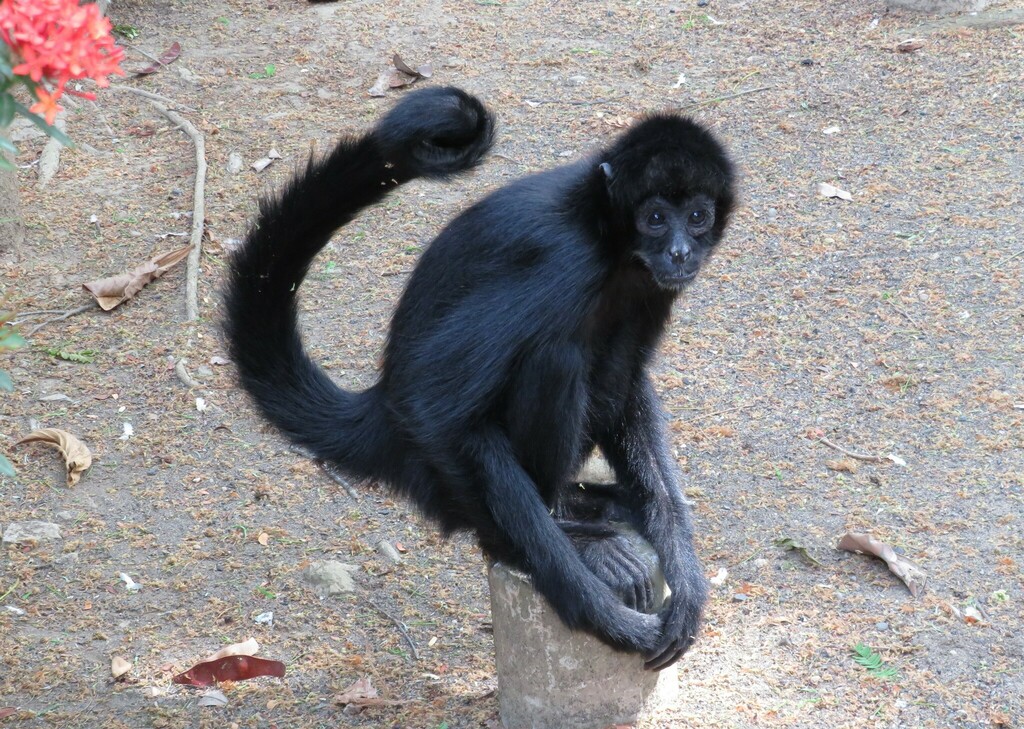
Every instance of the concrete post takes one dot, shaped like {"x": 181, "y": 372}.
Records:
{"x": 550, "y": 677}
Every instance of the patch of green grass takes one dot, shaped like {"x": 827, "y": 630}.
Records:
{"x": 268, "y": 72}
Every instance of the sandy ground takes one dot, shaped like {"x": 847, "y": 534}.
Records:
{"x": 889, "y": 324}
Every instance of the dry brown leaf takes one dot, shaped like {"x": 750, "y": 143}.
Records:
{"x": 361, "y": 690}
{"x": 362, "y": 694}
{"x": 913, "y": 576}
{"x": 119, "y": 667}
{"x": 847, "y": 465}
{"x": 909, "y": 45}
{"x": 115, "y": 290}
{"x": 76, "y": 455}
{"x": 246, "y": 648}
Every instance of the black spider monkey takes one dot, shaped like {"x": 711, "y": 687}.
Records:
{"x": 522, "y": 341}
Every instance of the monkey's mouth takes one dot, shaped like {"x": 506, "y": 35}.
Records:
{"x": 675, "y": 281}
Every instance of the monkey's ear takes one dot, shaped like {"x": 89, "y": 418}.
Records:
{"x": 607, "y": 170}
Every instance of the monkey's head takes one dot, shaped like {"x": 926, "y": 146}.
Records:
{"x": 670, "y": 189}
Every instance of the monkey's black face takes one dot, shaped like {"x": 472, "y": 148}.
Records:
{"x": 673, "y": 239}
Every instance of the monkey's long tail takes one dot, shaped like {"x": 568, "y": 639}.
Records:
{"x": 433, "y": 132}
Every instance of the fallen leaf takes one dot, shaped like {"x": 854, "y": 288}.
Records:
{"x": 263, "y": 539}
{"x": 362, "y": 694}
{"x": 972, "y": 615}
{"x": 229, "y": 668}
{"x": 826, "y": 190}
{"x": 213, "y": 697}
{"x": 424, "y": 71}
{"x": 245, "y": 648}
{"x": 77, "y": 457}
{"x": 168, "y": 56}
{"x": 847, "y": 465}
{"x": 119, "y": 666}
{"x": 360, "y": 690}
{"x": 791, "y": 545}
{"x": 115, "y": 290}
{"x": 909, "y": 45}
{"x": 912, "y": 575}
{"x": 6, "y": 711}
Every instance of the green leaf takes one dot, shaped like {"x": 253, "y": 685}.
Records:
{"x": 5, "y": 164}
{"x": 86, "y": 356}
{"x": 6, "y": 467}
{"x": 10, "y": 339}
{"x": 5, "y": 381}
{"x": 8, "y": 146}
{"x": 6, "y": 109}
{"x": 41, "y": 123}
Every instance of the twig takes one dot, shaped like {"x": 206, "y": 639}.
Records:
{"x": 574, "y": 102}
{"x": 333, "y": 474}
{"x": 720, "y": 412}
{"x": 726, "y": 97}
{"x": 62, "y": 317}
{"x": 198, "y": 207}
{"x": 898, "y": 308}
{"x": 1003, "y": 263}
{"x": 852, "y": 454}
{"x": 398, "y": 624}
{"x": 23, "y": 315}
{"x": 151, "y": 96}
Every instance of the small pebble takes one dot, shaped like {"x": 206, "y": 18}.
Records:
{"x": 739, "y": 597}
{"x": 882, "y": 626}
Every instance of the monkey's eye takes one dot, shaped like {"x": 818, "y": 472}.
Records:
{"x": 697, "y": 217}
{"x": 656, "y": 219}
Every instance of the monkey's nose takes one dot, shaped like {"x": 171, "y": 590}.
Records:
{"x": 679, "y": 255}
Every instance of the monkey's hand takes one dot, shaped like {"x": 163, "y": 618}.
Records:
{"x": 615, "y": 561}
{"x": 680, "y": 619}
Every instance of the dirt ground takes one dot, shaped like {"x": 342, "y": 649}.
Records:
{"x": 889, "y": 324}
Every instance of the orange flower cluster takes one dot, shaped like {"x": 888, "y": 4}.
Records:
{"x": 59, "y": 40}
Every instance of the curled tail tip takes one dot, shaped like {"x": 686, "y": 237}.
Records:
{"x": 437, "y": 131}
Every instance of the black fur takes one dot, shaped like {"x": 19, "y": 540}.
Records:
{"x": 521, "y": 341}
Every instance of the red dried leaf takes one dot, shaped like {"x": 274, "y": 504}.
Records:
{"x": 7, "y": 711}
{"x": 231, "y": 668}
{"x": 170, "y": 55}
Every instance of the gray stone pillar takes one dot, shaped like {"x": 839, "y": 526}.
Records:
{"x": 550, "y": 677}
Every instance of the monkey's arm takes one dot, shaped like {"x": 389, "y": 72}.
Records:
{"x": 527, "y": 532}
{"x": 636, "y": 448}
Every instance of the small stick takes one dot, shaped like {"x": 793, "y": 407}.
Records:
{"x": 851, "y": 454}
{"x": 150, "y": 95}
{"x": 198, "y": 207}
{"x": 1003, "y": 263}
{"x": 726, "y": 97}
{"x": 720, "y": 412}
{"x": 62, "y": 317}
{"x": 898, "y": 308}
{"x": 398, "y": 624}
{"x": 332, "y": 472}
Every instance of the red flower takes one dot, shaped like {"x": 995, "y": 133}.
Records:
{"x": 57, "y": 41}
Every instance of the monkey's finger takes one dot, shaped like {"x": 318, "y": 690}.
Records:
{"x": 672, "y": 653}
